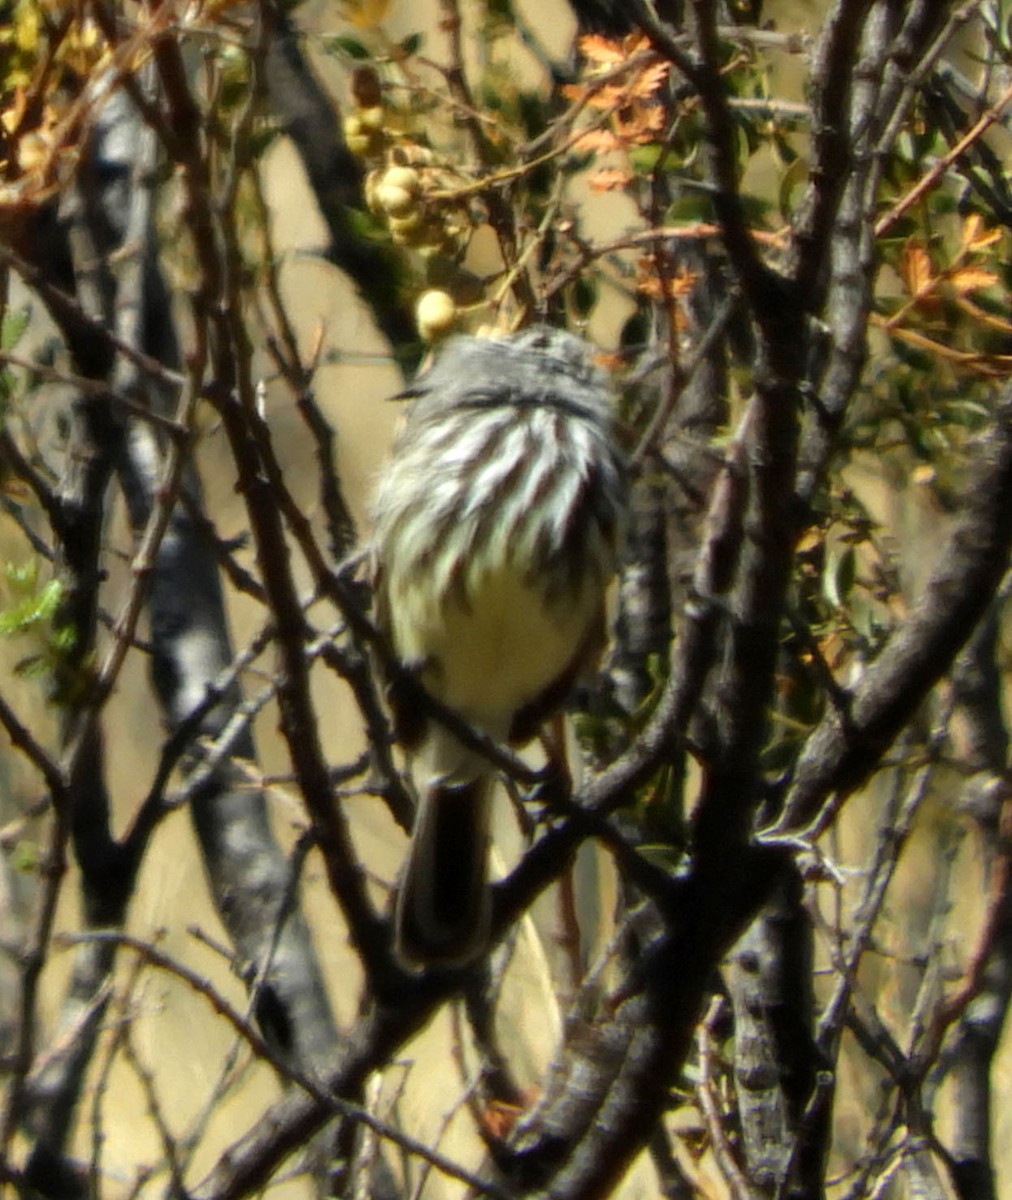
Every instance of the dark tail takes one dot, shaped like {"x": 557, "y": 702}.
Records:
{"x": 442, "y": 914}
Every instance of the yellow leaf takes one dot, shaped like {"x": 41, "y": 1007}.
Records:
{"x": 975, "y": 236}
{"x": 971, "y": 229}
{"x": 34, "y": 152}
{"x": 365, "y": 14}
{"x": 810, "y": 540}
{"x": 11, "y": 117}
{"x": 983, "y": 240}
{"x": 26, "y": 29}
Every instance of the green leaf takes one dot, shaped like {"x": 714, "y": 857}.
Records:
{"x": 15, "y": 322}
{"x": 635, "y": 331}
{"x": 412, "y": 44}
{"x": 25, "y": 856}
{"x": 691, "y": 206}
{"x": 63, "y": 639}
{"x": 364, "y": 225}
{"x": 792, "y": 186}
{"x": 345, "y": 47}
{"x": 33, "y": 666}
{"x": 645, "y": 158}
{"x": 15, "y": 620}
{"x": 531, "y": 112}
{"x": 968, "y": 413}
{"x": 48, "y": 600}
{"x": 22, "y": 578}
{"x": 33, "y": 610}
{"x": 660, "y": 855}
{"x": 583, "y": 297}
{"x": 838, "y": 577}
{"x": 783, "y": 149}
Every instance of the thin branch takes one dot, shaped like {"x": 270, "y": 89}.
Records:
{"x": 841, "y": 752}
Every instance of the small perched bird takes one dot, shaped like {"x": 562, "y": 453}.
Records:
{"x": 495, "y": 528}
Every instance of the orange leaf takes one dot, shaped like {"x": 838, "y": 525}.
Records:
{"x": 609, "y": 96}
{"x": 609, "y": 179}
{"x": 499, "y": 1117}
{"x": 600, "y": 141}
{"x": 640, "y": 123}
{"x": 971, "y": 279}
{"x": 649, "y": 79}
{"x": 599, "y": 49}
{"x": 915, "y": 268}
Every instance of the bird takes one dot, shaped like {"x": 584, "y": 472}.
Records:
{"x": 496, "y": 527}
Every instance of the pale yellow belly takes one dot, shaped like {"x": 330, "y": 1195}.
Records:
{"x": 490, "y": 657}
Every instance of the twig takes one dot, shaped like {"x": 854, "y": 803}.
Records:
{"x": 328, "y": 1101}
{"x": 931, "y": 177}
{"x": 705, "y": 1090}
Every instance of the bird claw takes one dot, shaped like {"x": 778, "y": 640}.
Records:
{"x": 551, "y": 793}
